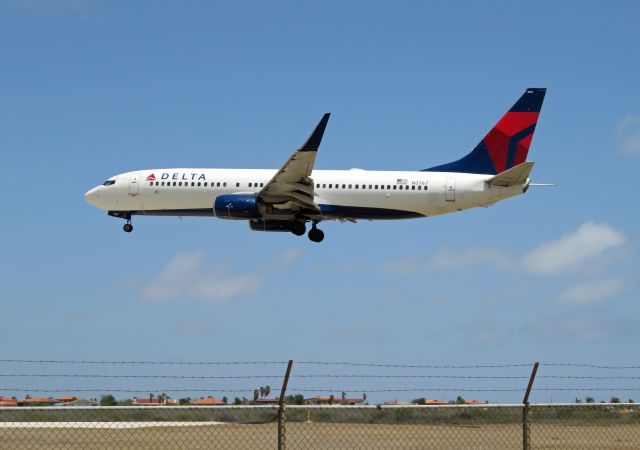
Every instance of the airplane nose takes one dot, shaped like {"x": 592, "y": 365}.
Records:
{"x": 91, "y": 196}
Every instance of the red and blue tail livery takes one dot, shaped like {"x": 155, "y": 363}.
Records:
{"x": 508, "y": 142}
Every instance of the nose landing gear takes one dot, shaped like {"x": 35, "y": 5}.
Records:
{"x": 315, "y": 234}
{"x": 127, "y": 227}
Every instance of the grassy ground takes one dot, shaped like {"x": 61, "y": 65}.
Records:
{"x": 328, "y": 435}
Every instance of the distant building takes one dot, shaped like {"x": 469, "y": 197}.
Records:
{"x": 210, "y": 401}
{"x": 429, "y": 401}
{"x": 267, "y": 401}
{"x": 397, "y": 403}
{"x": 81, "y": 402}
{"x": 153, "y": 401}
{"x": 8, "y": 401}
{"x": 38, "y": 401}
{"x": 335, "y": 401}
{"x": 475, "y": 402}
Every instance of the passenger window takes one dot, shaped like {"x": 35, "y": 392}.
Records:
{"x": 180, "y": 183}
{"x": 237, "y": 184}
{"x": 376, "y": 186}
{"x": 249, "y": 184}
{"x": 261, "y": 184}
{"x": 224, "y": 184}
{"x": 419, "y": 188}
{"x": 394, "y": 187}
{"x": 349, "y": 186}
{"x": 174, "y": 183}
{"x": 330, "y": 185}
{"x": 163, "y": 183}
{"x": 370, "y": 187}
{"x": 199, "y": 184}
{"x": 343, "y": 186}
{"x": 388, "y": 187}
{"x": 357, "y": 186}
{"x": 205, "y": 184}
{"x": 324, "y": 185}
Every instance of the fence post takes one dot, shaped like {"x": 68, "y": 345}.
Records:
{"x": 281, "y": 416}
{"x": 526, "y": 431}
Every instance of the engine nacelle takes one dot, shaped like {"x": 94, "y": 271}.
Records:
{"x": 271, "y": 225}
{"x": 237, "y": 206}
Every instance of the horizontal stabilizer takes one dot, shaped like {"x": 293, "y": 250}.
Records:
{"x": 513, "y": 176}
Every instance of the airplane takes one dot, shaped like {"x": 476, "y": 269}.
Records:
{"x": 286, "y": 199}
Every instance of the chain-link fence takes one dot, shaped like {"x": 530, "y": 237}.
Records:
{"x": 553, "y": 426}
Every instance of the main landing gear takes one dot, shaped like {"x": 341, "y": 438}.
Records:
{"x": 315, "y": 234}
{"x": 299, "y": 228}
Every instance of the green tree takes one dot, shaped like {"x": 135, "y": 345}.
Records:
{"x": 184, "y": 401}
{"x": 459, "y": 400}
{"x": 297, "y": 399}
{"x": 237, "y": 401}
{"x": 418, "y": 401}
{"x": 225, "y": 400}
{"x": 256, "y": 395}
{"x": 331, "y": 399}
{"x": 108, "y": 400}
{"x": 267, "y": 390}
{"x": 614, "y": 400}
{"x": 589, "y": 399}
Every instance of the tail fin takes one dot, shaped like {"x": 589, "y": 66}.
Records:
{"x": 507, "y": 144}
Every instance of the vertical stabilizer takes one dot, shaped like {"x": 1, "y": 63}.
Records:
{"x": 507, "y": 144}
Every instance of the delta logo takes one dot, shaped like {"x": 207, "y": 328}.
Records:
{"x": 151, "y": 177}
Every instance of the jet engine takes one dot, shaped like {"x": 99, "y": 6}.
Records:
{"x": 237, "y": 206}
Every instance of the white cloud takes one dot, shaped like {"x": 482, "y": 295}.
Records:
{"x": 628, "y": 135}
{"x": 593, "y": 291}
{"x": 187, "y": 276}
{"x": 573, "y": 250}
{"x": 455, "y": 259}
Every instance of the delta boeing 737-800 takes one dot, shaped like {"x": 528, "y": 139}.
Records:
{"x": 286, "y": 199}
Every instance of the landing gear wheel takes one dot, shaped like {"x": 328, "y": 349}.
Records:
{"x": 128, "y": 227}
{"x": 298, "y": 228}
{"x": 316, "y": 235}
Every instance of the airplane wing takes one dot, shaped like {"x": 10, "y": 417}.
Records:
{"x": 292, "y": 187}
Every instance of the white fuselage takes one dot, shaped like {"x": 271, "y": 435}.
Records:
{"x": 341, "y": 194}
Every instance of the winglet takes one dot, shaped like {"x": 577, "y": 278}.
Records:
{"x": 313, "y": 143}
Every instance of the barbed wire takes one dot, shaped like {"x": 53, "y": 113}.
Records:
{"x": 294, "y": 390}
{"x": 330, "y": 363}
{"x": 415, "y": 366}
{"x": 590, "y": 366}
{"x": 324, "y": 375}
{"x": 168, "y": 363}
{"x": 310, "y": 376}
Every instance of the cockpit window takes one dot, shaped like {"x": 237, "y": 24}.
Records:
{"x": 109, "y": 182}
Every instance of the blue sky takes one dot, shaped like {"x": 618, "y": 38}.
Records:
{"x": 91, "y": 89}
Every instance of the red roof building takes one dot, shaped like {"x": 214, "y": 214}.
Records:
{"x": 207, "y": 402}
{"x": 38, "y": 400}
